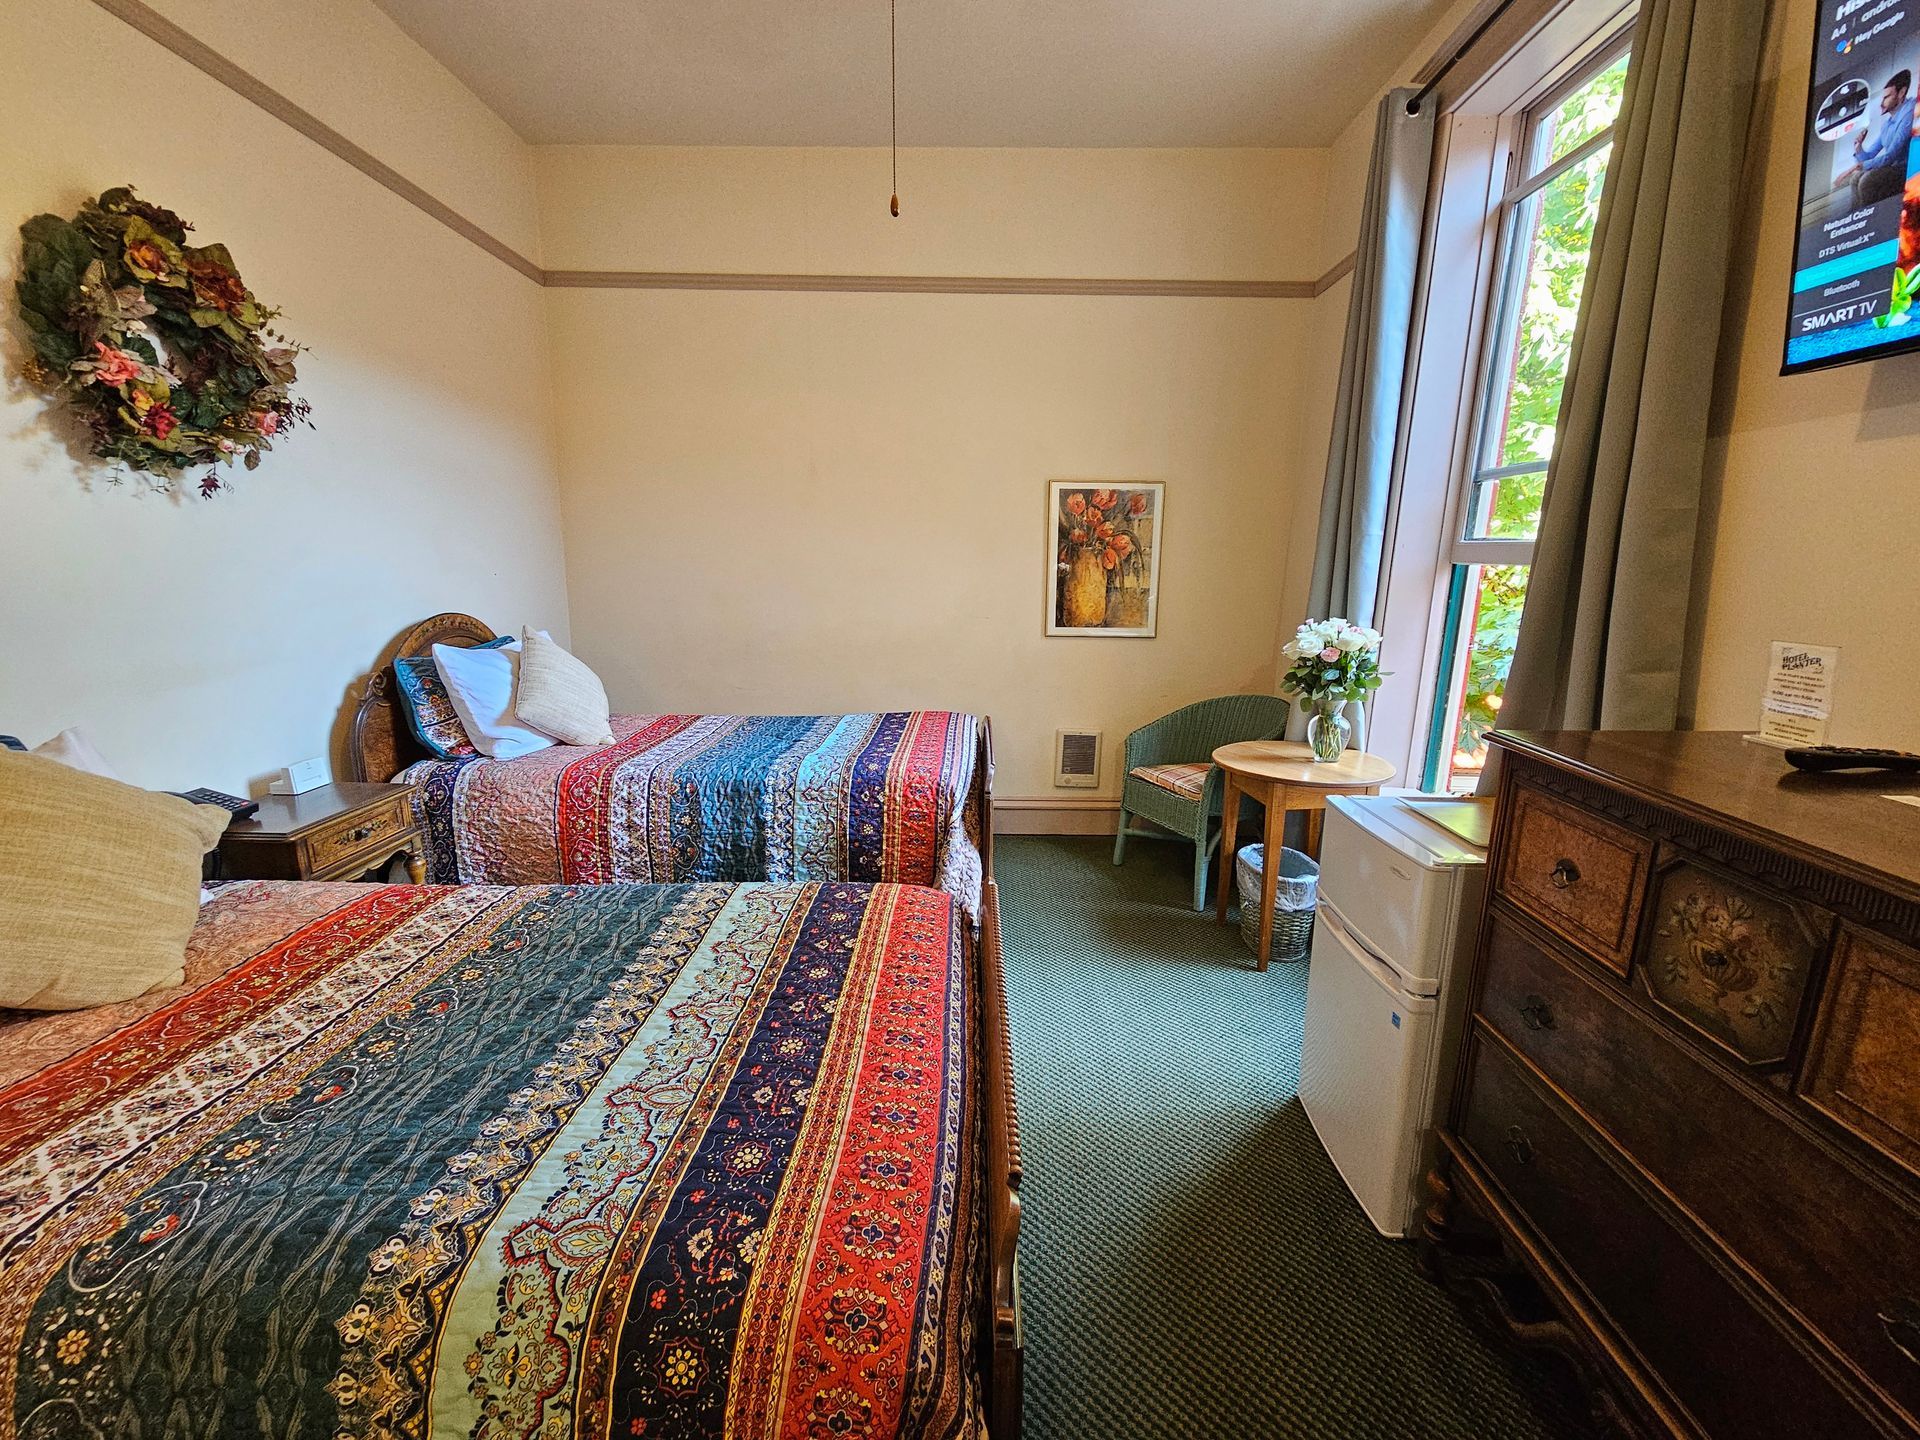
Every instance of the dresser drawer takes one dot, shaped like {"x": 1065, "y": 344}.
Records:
{"x": 1864, "y": 1067}
{"x": 353, "y": 835}
{"x": 1839, "y": 1249}
{"x": 1733, "y": 1370}
{"x": 1582, "y": 877}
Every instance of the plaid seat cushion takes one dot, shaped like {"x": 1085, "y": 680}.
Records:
{"x": 1184, "y": 780}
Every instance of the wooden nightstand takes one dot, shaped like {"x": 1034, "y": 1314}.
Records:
{"x": 338, "y": 832}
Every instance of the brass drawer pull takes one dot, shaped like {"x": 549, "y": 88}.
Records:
{"x": 1537, "y": 1014}
{"x": 1902, "y": 1318}
{"x": 1565, "y": 874}
{"x": 365, "y": 832}
{"x": 1519, "y": 1146}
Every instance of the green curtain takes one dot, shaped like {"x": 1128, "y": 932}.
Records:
{"x": 1600, "y": 642}
{"x": 1363, "y": 456}
{"x": 1373, "y": 366}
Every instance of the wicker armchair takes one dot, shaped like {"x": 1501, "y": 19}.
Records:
{"x": 1184, "y": 789}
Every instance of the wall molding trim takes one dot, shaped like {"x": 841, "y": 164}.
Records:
{"x": 936, "y": 284}
{"x": 205, "y": 58}
{"x": 1338, "y": 272}
{"x": 1055, "y": 815}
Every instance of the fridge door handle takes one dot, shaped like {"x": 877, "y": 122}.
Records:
{"x": 1350, "y": 934}
{"x": 1383, "y": 974}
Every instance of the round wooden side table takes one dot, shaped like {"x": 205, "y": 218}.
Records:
{"x": 1283, "y": 776}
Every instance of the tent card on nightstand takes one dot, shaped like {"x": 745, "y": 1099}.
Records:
{"x": 1798, "y": 701}
{"x": 300, "y": 778}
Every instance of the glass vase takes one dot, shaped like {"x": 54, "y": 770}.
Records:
{"x": 1327, "y": 732}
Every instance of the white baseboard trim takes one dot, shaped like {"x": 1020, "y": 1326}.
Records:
{"x": 1054, "y": 815}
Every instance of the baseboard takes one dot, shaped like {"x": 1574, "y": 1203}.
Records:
{"x": 1054, "y": 815}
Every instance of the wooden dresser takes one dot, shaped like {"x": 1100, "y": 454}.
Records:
{"x": 1684, "y": 1140}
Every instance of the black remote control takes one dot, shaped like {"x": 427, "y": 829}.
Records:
{"x": 241, "y": 808}
{"x": 1821, "y": 758}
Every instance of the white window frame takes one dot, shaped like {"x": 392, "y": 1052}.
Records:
{"x": 1488, "y": 381}
{"x": 1485, "y": 397}
{"x": 1462, "y": 254}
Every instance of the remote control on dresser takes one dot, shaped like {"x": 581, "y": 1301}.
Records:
{"x": 241, "y": 808}
{"x": 1820, "y": 758}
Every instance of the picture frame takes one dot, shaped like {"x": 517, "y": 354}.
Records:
{"x": 1104, "y": 539}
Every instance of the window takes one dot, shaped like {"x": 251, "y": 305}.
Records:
{"x": 1545, "y": 222}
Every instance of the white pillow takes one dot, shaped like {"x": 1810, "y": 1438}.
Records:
{"x": 481, "y": 684}
{"x": 72, "y": 749}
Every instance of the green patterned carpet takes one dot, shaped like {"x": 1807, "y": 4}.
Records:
{"x": 1192, "y": 1265}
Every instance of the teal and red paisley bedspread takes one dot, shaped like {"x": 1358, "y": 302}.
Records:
{"x": 876, "y": 797}
{"x": 660, "y": 1160}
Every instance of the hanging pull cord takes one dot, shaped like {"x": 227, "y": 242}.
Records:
{"x": 893, "y": 88}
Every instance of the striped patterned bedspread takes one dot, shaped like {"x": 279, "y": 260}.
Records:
{"x": 559, "y": 1162}
{"x": 876, "y": 797}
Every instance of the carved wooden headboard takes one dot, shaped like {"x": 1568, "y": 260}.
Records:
{"x": 380, "y": 743}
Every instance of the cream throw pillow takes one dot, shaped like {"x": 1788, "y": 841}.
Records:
{"x": 559, "y": 695}
{"x": 99, "y": 885}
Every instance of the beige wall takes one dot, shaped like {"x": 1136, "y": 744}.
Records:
{"x": 789, "y": 501}
{"x": 211, "y": 642}
{"x": 1812, "y": 503}
{"x": 1114, "y": 214}
{"x": 797, "y": 502}
{"x": 345, "y": 62}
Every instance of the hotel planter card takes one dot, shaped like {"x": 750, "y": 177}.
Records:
{"x": 1798, "y": 700}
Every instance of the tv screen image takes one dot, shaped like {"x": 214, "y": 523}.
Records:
{"x": 1855, "y": 285}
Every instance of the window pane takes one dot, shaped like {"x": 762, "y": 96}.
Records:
{"x": 1581, "y": 116}
{"x": 1507, "y": 508}
{"x": 1555, "y": 227}
{"x": 1484, "y": 622}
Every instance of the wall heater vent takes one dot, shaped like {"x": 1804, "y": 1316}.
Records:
{"x": 1076, "y": 758}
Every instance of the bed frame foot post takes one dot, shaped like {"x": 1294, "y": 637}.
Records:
{"x": 983, "y": 777}
{"x": 1004, "y": 1347}
{"x": 1007, "y": 1387}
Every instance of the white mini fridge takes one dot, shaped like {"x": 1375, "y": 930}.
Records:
{"x": 1386, "y": 1002}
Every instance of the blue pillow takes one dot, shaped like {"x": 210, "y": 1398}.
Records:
{"x": 430, "y": 713}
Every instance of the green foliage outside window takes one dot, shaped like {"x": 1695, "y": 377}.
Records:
{"x": 1497, "y": 599}
{"x": 1563, "y": 216}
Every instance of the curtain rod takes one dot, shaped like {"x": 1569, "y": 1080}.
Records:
{"x": 1413, "y": 105}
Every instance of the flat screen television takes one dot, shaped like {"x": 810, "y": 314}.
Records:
{"x": 1858, "y": 248}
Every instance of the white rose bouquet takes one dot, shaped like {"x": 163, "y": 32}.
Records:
{"x": 1331, "y": 663}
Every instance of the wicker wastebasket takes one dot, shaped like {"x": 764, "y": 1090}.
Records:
{"x": 1295, "y": 893}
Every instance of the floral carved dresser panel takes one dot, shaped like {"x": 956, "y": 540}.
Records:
{"x": 1731, "y": 961}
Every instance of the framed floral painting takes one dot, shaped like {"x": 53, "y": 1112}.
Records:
{"x": 1105, "y": 545}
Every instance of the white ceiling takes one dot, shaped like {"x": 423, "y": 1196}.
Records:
{"x": 972, "y": 72}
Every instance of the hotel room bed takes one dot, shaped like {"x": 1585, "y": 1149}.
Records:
{"x": 660, "y": 1160}
{"x": 902, "y": 796}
